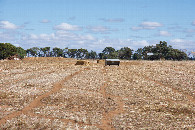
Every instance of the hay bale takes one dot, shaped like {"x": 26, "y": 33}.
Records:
{"x": 101, "y": 61}
{"x": 82, "y": 62}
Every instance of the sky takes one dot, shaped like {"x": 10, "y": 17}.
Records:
{"x": 96, "y": 24}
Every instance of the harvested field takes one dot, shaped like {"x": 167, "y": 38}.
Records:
{"x": 54, "y": 93}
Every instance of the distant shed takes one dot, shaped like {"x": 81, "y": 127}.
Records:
{"x": 112, "y": 62}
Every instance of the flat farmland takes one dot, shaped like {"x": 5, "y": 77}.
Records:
{"x": 54, "y": 93}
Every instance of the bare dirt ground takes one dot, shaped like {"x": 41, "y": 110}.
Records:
{"x": 53, "y": 93}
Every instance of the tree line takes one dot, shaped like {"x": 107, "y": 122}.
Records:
{"x": 157, "y": 52}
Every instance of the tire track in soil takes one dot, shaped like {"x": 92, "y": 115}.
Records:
{"x": 189, "y": 97}
{"x": 30, "y": 76}
{"x": 66, "y": 121}
{"x": 36, "y": 102}
{"x": 107, "y": 116}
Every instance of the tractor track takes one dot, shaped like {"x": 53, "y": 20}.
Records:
{"x": 36, "y": 102}
{"x": 106, "y": 122}
{"x": 189, "y": 97}
{"x": 30, "y": 76}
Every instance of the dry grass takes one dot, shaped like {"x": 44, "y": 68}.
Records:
{"x": 53, "y": 93}
{"x": 82, "y": 62}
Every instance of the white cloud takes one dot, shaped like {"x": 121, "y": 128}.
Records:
{"x": 7, "y": 36}
{"x": 147, "y": 25}
{"x": 67, "y": 27}
{"x": 165, "y": 33}
{"x": 189, "y": 30}
{"x": 100, "y": 29}
{"x": 115, "y": 20}
{"x": 60, "y": 39}
{"x": 193, "y": 23}
{"x": 7, "y": 25}
{"x": 136, "y": 28}
{"x": 64, "y": 39}
{"x": 150, "y": 25}
{"x": 140, "y": 43}
{"x": 177, "y": 40}
{"x": 182, "y": 44}
{"x": 45, "y": 21}
{"x": 118, "y": 43}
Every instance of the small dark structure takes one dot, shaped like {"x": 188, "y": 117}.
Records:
{"x": 112, "y": 62}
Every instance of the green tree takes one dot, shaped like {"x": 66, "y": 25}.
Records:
{"x": 92, "y": 55}
{"x": 145, "y": 51}
{"x": 81, "y": 53}
{"x": 21, "y": 52}
{"x": 125, "y": 53}
{"x": 47, "y": 50}
{"x": 101, "y": 55}
{"x": 72, "y": 53}
{"x": 109, "y": 53}
{"x": 43, "y": 52}
{"x": 138, "y": 54}
{"x": 65, "y": 52}
{"x": 28, "y": 52}
{"x": 7, "y": 50}
{"x": 33, "y": 51}
{"x": 179, "y": 55}
{"x": 57, "y": 52}
{"x": 163, "y": 51}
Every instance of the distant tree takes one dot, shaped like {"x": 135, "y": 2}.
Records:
{"x": 113, "y": 55}
{"x": 145, "y": 51}
{"x": 101, "y": 55}
{"x": 47, "y": 50}
{"x": 92, "y": 55}
{"x": 43, "y": 52}
{"x": 125, "y": 53}
{"x": 7, "y": 50}
{"x": 28, "y": 52}
{"x": 138, "y": 54}
{"x": 178, "y": 55}
{"x": 163, "y": 51}
{"x": 108, "y": 50}
{"x": 72, "y": 53}
{"x": 109, "y": 53}
{"x": 65, "y": 52}
{"x": 57, "y": 52}
{"x": 21, "y": 52}
{"x": 81, "y": 53}
{"x": 33, "y": 51}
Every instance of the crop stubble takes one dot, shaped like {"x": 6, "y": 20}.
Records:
{"x": 58, "y": 95}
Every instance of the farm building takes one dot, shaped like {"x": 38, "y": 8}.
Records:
{"x": 112, "y": 62}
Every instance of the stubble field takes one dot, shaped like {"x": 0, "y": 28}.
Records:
{"x": 53, "y": 93}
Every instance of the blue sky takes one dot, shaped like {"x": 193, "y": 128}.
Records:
{"x": 96, "y": 24}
